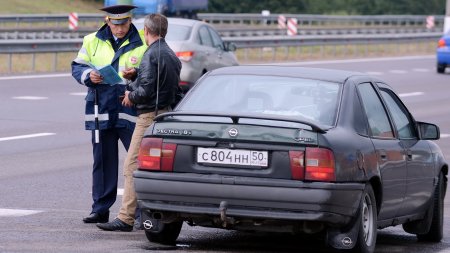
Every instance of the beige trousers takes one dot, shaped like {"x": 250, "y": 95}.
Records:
{"x": 129, "y": 201}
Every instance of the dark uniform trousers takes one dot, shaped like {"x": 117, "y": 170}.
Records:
{"x": 105, "y": 169}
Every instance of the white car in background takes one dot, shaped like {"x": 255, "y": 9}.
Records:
{"x": 199, "y": 47}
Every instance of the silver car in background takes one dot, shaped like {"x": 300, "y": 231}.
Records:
{"x": 199, "y": 47}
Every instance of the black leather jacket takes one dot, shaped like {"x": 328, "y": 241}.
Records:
{"x": 143, "y": 89}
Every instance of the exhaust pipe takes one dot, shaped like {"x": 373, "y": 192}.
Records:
{"x": 164, "y": 217}
{"x": 157, "y": 215}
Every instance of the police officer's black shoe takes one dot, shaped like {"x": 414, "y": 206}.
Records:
{"x": 115, "y": 225}
{"x": 96, "y": 218}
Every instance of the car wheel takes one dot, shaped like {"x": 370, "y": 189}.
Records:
{"x": 367, "y": 235}
{"x": 435, "y": 233}
{"x": 167, "y": 234}
{"x": 440, "y": 68}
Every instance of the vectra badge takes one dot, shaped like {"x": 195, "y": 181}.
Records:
{"x": 301, "y": 138}
{"x": 233, "y": 132}
{"x": 174, "y": 131}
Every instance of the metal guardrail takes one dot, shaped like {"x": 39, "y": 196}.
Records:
{"x": 47, "y": 54}
{"x": 40, "y": 46}
{"x": 52, "y": 35}
{"x": 308, "y": 19}
{"x": 245, "y": 32}
{"x": 73, "y": 45}
{"x": 244, "y": 18}
{"x": 46, "y": 33}
{"x": 284, "y": 41}
{"x": 55, "y": 19}
{"x": 17, "y": 50}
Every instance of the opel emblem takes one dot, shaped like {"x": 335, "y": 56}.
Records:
{"x": 346, "y": 241}
{"x": 233, "y": 132}
{"x": 148, "y": 224}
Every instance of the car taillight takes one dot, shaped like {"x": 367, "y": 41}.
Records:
{"x": 441, "y": 43}
{"x": 156, "y": 155}
{"x": 320, "y": 165}
{"x": 185, "y": 55}
{"x": 296, "y": 159}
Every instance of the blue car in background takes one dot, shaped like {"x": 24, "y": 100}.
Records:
{"x": 443, "y": 53}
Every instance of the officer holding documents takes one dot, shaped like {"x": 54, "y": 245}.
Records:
{"x": 106, "y": 59}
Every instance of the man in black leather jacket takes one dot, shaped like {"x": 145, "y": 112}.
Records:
{"x": 153, "y": 91}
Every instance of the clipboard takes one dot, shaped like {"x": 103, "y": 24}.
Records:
{"x": 110, "y": 75}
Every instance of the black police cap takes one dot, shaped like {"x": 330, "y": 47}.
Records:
{"x": 118, "y": 14}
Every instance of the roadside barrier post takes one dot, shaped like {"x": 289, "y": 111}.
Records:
{"x": 73, "y": 21}
{"x": 430, "y": 22}
{"x": 292, "y": 27}
{"x": 281, "y": 22}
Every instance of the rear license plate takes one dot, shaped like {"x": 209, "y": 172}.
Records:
{"x": 232, "y": 157}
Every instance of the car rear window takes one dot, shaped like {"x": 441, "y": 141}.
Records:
{"x": 178, "y": 32}
{"x": 307, "y": 99}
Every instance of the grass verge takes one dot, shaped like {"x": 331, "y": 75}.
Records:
{"x": 49, "y": 6}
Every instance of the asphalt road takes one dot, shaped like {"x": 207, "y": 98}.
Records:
{"x": 45, "y": 169}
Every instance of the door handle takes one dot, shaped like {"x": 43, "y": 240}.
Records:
{"x": 409, "y": 154}
{"x": 382, "y": 154}
{"x": 360, "y": 160}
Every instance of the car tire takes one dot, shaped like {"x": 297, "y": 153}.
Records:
{"x": 435, "y": 233}
{"x": 367, "y": 235}
{"x": 440, "y": 68}
{"x": 167, "y": 234}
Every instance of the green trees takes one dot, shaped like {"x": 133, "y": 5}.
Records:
{"x": 345, "y": 7}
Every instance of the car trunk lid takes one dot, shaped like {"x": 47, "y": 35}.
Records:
{"x": 261, "y": 147}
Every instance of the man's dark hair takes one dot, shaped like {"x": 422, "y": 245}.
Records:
{"x": 156, "y": 24}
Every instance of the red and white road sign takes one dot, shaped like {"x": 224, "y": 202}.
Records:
{"x": 281, "y": 22}
{"x": 73, "y": 21}
{"x": 292, "y": 26}
{"x": 430, "y": 22}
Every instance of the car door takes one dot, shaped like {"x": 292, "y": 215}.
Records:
{"x": 224, "y": 58}
{"x": 390, "y": 152}
{"x": 207, "y": 47}
{"x": 419, "y": 161}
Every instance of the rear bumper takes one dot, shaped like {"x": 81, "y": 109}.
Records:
{"x": 257, "y": 198}
{"x": 443, "y": 55}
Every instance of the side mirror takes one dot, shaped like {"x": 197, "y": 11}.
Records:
{"x": 428, "y": 131}
{"x": 230, "y": 46}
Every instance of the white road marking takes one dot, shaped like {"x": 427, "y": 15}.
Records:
{"x": 119, "y": 191}
{"x": 78, "y": 93}
{"x": 421, "y": 70}
{"x": 445, "y": 135}
{"x": 33, "y": 76}
{"x": 396, "y": 71}
{"x": 359, "y": 60}
{"x": 374, "y": 73}
{"x": 411, "y": 94}
{"x": 18, "y": 137}
{"x": 30, "y": 98}
{"x": 17, "y": 212}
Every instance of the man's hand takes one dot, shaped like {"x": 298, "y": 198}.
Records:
{"x": 95, "y": 77}
{"x": 126, "y": 101}
{"x": 129, "y": 73}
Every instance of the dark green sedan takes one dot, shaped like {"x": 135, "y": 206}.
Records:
{"x": 292, "y": 149}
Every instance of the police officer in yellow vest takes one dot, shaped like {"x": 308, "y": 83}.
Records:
{"x": 117, "y": 43}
